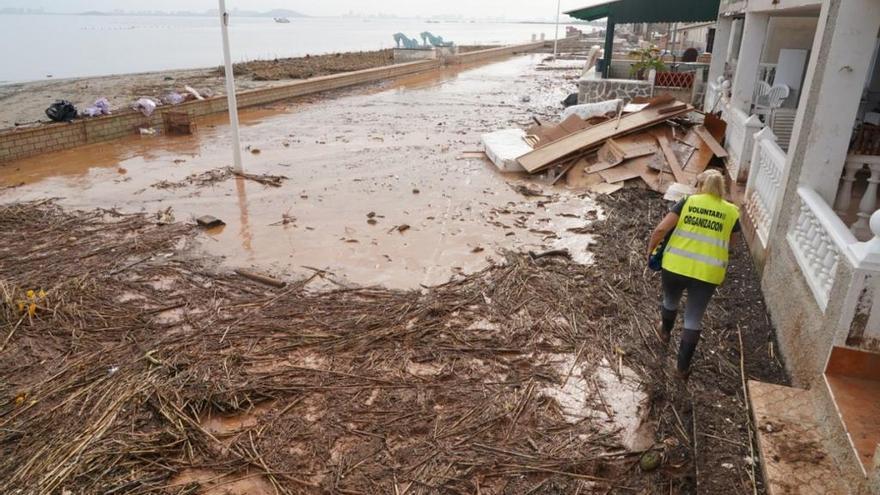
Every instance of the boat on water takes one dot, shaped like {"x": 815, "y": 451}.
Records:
{"x": 282, "y": 20}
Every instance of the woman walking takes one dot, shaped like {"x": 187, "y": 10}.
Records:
{"x": 695, "y": 259}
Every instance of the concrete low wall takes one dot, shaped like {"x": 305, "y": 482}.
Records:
{"x": 592, "y": 90}
{"x": 21, "y": 143}
{"x": 805, "y": 333}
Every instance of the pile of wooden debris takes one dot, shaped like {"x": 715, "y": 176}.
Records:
{"x": 655, "y": 140}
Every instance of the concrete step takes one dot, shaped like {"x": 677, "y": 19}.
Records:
{"x": 792, "y": 443}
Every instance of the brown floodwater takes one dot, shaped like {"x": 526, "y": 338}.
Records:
{"x": 392, "y": 150}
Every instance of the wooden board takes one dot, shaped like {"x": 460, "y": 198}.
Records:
{"x": 577, "y": 177}
{"x": 605, "y": 187}
{"x": 658, "y": 181}
{"x": 626, "y": 171}
{"x": 702, "y": 156}
{"x": 593, "y": 137}
{"x": 600, "y": 166}
{"x": 710, "y": 141}
{"x": 671, "y": 158}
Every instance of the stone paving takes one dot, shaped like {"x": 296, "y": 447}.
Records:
{"x": 791, "y": 444}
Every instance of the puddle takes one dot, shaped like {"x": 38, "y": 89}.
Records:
{"x": 622, "y": 407}
{"x": 572, "y": 396}
{"x": 627, "y": 403}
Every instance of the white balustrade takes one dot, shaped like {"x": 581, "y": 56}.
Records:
{"x": 817, "y": 238}
{"x": 741, "y": 129}
{"x": 868, "y": 204}
{"x": 765, "y": 185}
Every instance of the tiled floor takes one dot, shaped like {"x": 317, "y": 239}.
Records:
{"x": 790, "y": 442}
{"x": 858, "y": 401}
{"x": 853, "y": 378}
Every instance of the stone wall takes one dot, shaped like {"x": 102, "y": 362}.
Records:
{"x": 595, "y": 90}
{"x": 21, "y": 143}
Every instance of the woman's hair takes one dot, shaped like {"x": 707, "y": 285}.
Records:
{"x": 712, "y": 182}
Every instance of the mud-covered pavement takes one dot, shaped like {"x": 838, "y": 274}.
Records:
{"x": 359, "y": 166}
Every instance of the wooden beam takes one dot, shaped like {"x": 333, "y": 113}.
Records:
{"x": 710, "y": 141}
{"x": 671, "y": 158}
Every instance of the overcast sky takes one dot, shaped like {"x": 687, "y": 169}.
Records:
{"x": 512, "y": 9}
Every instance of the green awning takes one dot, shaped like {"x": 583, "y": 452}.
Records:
{"x": 637, "y": 11}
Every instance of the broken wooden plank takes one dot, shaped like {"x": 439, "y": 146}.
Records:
{"x": 625, "y": 171}
{"x": 658, "y": 181}
{"x": 702, "y": 156}
{"x": 605, "y": 187}
{"x": 600, "y": 166}
{"x": 710, "y": 141}
{"x": 671, "y": 158}
{"x": 578, "y": 178}
{"x": 672, "y": 109}
{"x": 593, "y": 137}
{"x": 716, "y": 126}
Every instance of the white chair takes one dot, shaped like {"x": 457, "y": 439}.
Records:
{"x": 770, "y": 100}
{"x": 759, "y": 96}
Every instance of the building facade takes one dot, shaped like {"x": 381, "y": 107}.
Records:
{"x": 798, "y": 83}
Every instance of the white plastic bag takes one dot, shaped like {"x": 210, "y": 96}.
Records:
{"x": 145, "y": 106}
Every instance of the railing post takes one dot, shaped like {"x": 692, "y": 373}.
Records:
{"x": 844, "y": 195}
{"x": 868, "y": 204}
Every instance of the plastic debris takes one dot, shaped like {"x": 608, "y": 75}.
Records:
{"x": 145, "y": 106}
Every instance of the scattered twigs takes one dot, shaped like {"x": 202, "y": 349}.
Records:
{"x": 748, "y": 414}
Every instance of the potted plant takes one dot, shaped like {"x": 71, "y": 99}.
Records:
{"x": 646, "y": 59}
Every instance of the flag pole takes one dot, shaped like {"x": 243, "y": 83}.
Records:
{"x": 230, "y": 88}
{"x": 556, "y": 39}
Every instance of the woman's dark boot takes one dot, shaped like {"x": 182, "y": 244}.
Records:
{"x": 663, "y": 330}
{"x": 689, "y": 341}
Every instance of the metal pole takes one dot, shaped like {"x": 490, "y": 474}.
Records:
{"x": 230, "y": 89}
{"x": 556, "y": 40}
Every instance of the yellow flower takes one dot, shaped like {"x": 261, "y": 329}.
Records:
{"x": 30, "y": 294}
{"x": 32, "y": 309}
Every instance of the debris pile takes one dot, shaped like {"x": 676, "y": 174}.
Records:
{"x": 216, "y": 175}
{"x": 655, "y": 141}
{"x": 143, "y": 371}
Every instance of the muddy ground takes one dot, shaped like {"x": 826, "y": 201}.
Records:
{"x": 359, "y": 164}
{"x": 143, "y": 370}
{"x": 458, "y": 364}
{"x": 25, "y": 103}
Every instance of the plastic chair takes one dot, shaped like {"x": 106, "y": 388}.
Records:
{"x": 769, "y": 99}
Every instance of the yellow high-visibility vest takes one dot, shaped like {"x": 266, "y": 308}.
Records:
{"x": 699, "y": 245}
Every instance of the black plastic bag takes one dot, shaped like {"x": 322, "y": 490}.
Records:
{"x": 61, "y": 111}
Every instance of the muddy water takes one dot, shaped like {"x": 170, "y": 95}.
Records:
{"x": 393, "y": 150}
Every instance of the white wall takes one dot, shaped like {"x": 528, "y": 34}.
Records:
{"x": 788, "y": 32}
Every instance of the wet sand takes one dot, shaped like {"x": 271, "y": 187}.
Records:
{"x": 25, "y": 103}
{"x": 393, "y": 150}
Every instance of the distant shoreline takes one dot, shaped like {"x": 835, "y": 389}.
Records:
{"x": 297, "y": 15}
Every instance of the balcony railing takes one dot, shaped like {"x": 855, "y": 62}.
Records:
{"x": 821, "y": 241}
{"x": 741, "y": 129}
{"x": 818, "y": 237}
{"x": 765, "y": 185}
